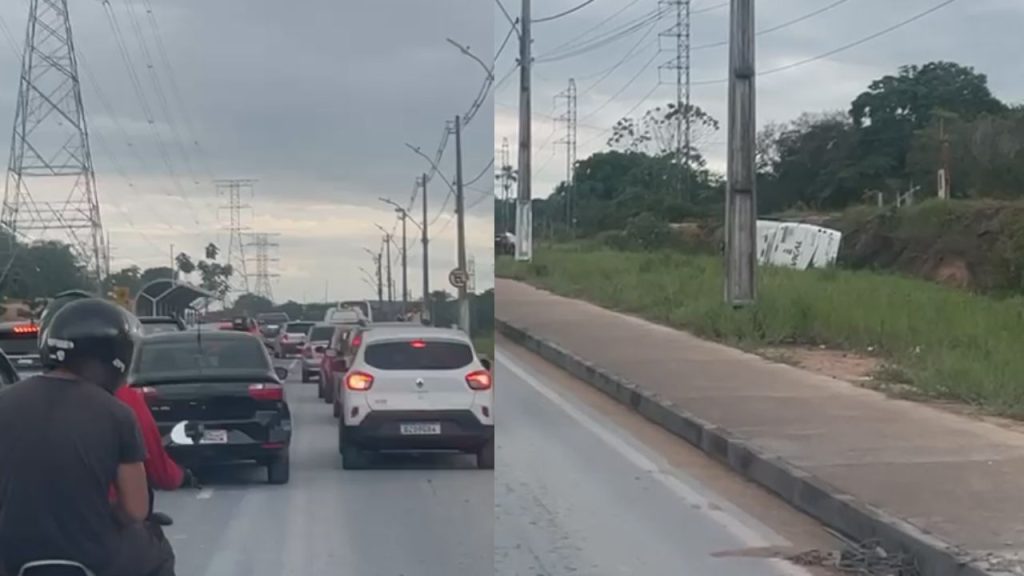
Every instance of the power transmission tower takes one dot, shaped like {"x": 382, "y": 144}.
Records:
{"x": 570, "y": 119}
{"x": 506, "y": 176}
{"x": 261, "y": 242}
{"x": 232, "y": 192}
{"x": 680, "y": 64}
{"x": 51, "y": 141}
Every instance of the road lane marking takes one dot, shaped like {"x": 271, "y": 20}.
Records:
{"x": 204, "y": 494}
{"x": 713, "y": 510}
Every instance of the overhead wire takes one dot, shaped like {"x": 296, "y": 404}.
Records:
{"x": 563, "y": 13}
{"x": 780, "y": 26}
{"x": 619, "y": 34}
{"x": 597, "y": 26}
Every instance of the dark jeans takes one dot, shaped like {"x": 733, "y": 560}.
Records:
{"x": 145, "y": 551}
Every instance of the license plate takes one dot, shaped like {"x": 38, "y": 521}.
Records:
{"x": 25, "y": 362}
{"x": 420, "y": 429}
{"x": 215, "y": 437}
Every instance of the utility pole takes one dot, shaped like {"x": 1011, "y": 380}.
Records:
{"x": 173, "y": 264}
{"x": 524, "y": 204}
{"x": 377, "y": 257}
{"x": 570, "y": 119}
{"x": 944, "y": 175}
{"x": 405, "y": 264}
{"x": 387, "y": 247}
{"x": 741, "y": 192}
{"x": 427, "y": 312}
{"x": 460, "y": 207}
{"x": 506, "y": 176}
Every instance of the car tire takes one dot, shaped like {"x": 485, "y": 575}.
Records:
{"x": 337, "y": 410}
{"x": 353, "y": 457}
{"x": 320, "y": 387}
{"x": 305, "y": 377}
{"x": 279, "y": 469}
{"x": 329, "y": 393}
{"x": 485, "y": 456}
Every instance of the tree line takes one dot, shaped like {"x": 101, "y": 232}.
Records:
{"x": 893, "y": 136}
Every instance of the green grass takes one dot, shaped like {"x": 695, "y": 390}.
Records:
{"x": 484, "y": 346}
{"x": 949, "y": 344}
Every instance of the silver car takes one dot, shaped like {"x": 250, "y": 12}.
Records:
{"x": 291, "y": 339}
{"x": 313, "y": 352}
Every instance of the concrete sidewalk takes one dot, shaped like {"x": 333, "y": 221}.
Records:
{"x": 945, "y": 487}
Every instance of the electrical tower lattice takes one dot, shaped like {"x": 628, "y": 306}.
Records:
{"x": 680, "y": 64}
{"x": 261, "y": 242}
{"x": 506, "y": 176}
{"x": 232, "y": 191}
{"x": 570, "y": 118}
{"x": 50, "y": 146}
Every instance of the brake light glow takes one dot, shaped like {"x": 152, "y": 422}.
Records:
{"x": 26, "y": 329}
{"x": 359, "y": 381}
{"x": 418, "y": 344}
{"x": 357, "y": 340}
{"x": 479, "y": 380}
{"x": 266, "y": 392}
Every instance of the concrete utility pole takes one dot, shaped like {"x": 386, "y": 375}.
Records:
{"x": 460, "y": 207}
{"x": 427, "y": 309}
{"x": 741, "y": 193}
{"x": 524, "y": 204}
{"x": 377, "y": 257}
{"x": 405, "y": 264}
{"x": 387, "y": 248}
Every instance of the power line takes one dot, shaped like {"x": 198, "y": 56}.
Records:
{"x": 507, "y": 15}
{"x": 844, "y": 47}
{"x": 604, "y": 41}
{"x": 778, "y": 27}
{"x": 565, "y": 13}
{"x": 511, "y": 31}
{"x": 612, "y": 16}
{"x": 625, "y": 87}
{"x": 482, "y": 173}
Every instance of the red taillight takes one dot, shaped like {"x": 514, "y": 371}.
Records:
{"x": 479, "y": 380}
{"x": 418, "y": 344}
{"x": 357, "y": 340}
{"x": 149, "y": 393}
{"x": 266, "y": 392}
{"x": 359, "y": 381}
{"x": 26, "y": 329}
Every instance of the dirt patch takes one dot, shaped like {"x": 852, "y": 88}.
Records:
{"x": 846, "y": 366}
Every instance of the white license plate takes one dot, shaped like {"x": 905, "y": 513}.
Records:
{"x": 215, "y": 437}
{"x": 420, "y": 429}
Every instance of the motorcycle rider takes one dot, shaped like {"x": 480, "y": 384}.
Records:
{"x": 64, "y": 440}
{"x": 162, "y": 472}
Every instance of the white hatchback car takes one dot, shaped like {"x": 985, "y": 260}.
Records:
{"x": 415, "y": 388}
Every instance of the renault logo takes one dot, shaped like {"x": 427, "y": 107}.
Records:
{"x": 419, "y": 382}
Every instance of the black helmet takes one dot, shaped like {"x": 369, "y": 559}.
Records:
{"x": 90, "y": 329}
{"x": 55, "y": 304}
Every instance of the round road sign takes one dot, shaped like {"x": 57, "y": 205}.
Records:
{"x": 458, "y": 278}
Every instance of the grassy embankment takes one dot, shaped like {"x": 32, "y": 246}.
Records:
{"x": 946, "y": 343}
{"x": 484, "y": 346}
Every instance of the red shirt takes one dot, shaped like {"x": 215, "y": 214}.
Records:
{"x": 161, "y": 471}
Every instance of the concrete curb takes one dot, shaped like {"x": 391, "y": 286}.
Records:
{"x": 803, "y": 491}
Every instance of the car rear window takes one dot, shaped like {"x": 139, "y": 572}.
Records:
{"x": 321, "y": 333}
{"x": 148, "y": 329}
{"x": 19, "y": 340}
{"x": 180, "y": 359}
{"x": 418, "y": 355}
{"x": 298, "y": 328}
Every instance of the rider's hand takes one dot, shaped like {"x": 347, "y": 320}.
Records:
{"x": 190, "y": 480}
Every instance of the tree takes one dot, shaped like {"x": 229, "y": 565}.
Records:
{"x": 212, "y": 251}
{"x": 252, "y": 304}
{"x": 654, "y": 133}
{"x": 41, "y": 269}
{"x": 185, "y": 264}
{"x": 216, "y": 277}
{"x": 889, "y": 112}
{"x": 129, "y": 278}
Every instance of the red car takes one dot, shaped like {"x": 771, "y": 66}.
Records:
{"x": 333, "y": 363}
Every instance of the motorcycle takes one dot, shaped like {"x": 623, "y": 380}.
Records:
{"x": 184, "y": 433}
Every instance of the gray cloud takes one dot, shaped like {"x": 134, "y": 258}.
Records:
{"x": 979, "y": 33}
{"x": 315, "y": 100}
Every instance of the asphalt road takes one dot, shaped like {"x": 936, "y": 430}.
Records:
{"x": 584, "y": 487}
{"x": 413, "y": 516}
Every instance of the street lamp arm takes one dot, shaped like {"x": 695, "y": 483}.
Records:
{"x": 437, "y": 170}
{"x": 465, "y": 50}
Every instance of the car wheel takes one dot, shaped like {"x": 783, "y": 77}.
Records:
{"x": 337, "y": 410}
{"x": 485, "y": 456}
{"x": 305, "y": 377}
{"x": 353, "y": 457}
{"x": 329, "y": 393}
{"x": 279, "y": 469}
{"x": 320, "y": 387}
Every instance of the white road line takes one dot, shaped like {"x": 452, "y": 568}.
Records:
{"x": 715, "y": 511}
{"x": 205, "y": 494}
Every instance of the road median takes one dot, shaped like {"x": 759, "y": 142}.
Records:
{"x": 935, "y": 485}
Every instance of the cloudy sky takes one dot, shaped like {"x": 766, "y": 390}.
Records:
{"x": 615, "y": 78}
{"x": 315, "y": 102}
